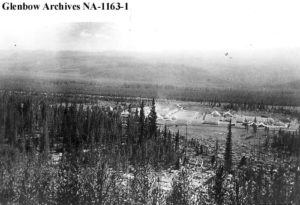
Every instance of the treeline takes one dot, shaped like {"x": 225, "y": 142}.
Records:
{"x": 287, "y": 143}
{"x": 44, "y": 125}
{"x": 206, "y": 94}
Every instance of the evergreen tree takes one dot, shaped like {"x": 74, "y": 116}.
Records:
{"x": 142, "y": 123}
{"x": 215, "y": 157}
{"x": 228, "y": 150}
{"x": 165, "y": 135}
{"x": 255, "y": 126}
{"x": 296, "y": 189}
{"x": 180, "y": 190}
{"x": 278, "y": 186}
{"x": 129, "y": 137}
{"x": 152, "y": 120}
{"x": 177, "y": 141}
{"x": 44, "y": 144}
{"x": 216, "y": 148}
{"x": 218, "y": 190}
{"x": 68, "y": 185}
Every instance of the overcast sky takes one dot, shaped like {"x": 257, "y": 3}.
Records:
{"x": 158, "y": 25}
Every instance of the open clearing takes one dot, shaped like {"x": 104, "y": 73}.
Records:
{"x": 195, "y": 120}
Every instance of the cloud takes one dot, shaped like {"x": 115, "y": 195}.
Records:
{"x": 197, "y": 25}
{"x": 90, "y": 36}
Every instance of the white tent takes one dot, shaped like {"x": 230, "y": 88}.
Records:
{"x": 227, "y": 114}
{"x": 261, "y": 124}
{"x": 216, "y": 114}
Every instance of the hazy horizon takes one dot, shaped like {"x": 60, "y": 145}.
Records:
{"x": 205, "y": 26}
{"x": 214, "y": 69}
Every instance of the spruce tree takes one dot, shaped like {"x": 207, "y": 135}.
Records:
{"x": 228, "y": 150}
{"x": 218, "y": 190}
{"x": 216, "y": 148}
{"x": 296, "y": 188}
{"x": 255, "y": 126}
{"x": 152, "y": 120}
{"x": 165, "y": 135}
{"x": 177, "y": 141}
{"x": 142, "y": 123}
{"x": 180, "y": 190}
{"x": 216, "y": 152}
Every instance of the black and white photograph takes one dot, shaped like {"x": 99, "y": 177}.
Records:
{"x": 139, "y": 102}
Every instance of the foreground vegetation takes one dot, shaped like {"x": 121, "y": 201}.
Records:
{"x": 66, "y": 150}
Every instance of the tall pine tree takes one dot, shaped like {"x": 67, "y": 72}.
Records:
{"x": 152, "y": 120}
{"x": 142, "y": 123}
{"x": 218, "y": 189}
{"x": 228, "y": 150}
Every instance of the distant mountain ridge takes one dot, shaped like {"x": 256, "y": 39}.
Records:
{"x": 134, "y": 68}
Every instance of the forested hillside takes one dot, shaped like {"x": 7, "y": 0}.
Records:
{"x": 71, "y": 150}
{"x": 186, "y": 78}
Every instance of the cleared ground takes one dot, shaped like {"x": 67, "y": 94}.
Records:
{"x": 194, "y": 120}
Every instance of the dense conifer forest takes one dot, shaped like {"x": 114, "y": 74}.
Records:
{"x": 59, "y": 149}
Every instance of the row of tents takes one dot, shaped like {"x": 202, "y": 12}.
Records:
{"x": 225, "y": 114}
{"x": 263, "y": 122}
